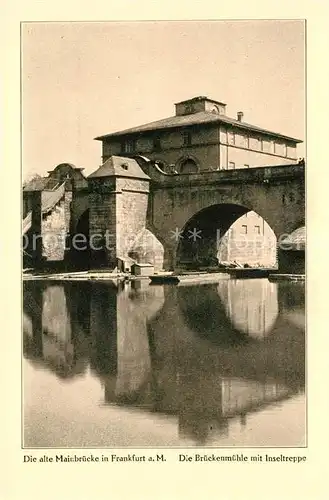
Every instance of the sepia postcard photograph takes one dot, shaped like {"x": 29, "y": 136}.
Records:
{"x": 163, "y": 234}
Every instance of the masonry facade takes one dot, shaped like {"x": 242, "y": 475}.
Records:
{"x": 202, "y": 138}
{"x": 118, "y": 201}
{"x": 51, "y": 206}
{"x": 199, "y": 169}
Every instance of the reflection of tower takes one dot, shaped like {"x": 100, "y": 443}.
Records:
{"x": 78, "y": 308}
{"x": 55, "y": 327}
{"x": 121, "y": 352}
{"x": 252, "y": 305}
{"x": 32, "y": 320}
{"x": 103, "y": 328}
{"x": 133, "y": 350}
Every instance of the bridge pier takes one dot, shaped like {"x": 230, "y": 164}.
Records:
{"x": 119, "y": 200}
{"x": 291, "y": 261}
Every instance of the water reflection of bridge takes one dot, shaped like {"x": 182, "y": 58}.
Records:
{"x": 203, "y": 353}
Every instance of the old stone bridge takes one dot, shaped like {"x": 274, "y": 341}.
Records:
{"x": 212, "y": 202}
{"x": 130, "y": 209}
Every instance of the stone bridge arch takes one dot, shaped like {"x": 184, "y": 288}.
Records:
{"x": 204, "y": 235}
{"x": 277, "y": 194}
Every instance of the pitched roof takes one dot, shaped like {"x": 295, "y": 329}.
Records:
{"x": 199, "y": 118}
{"x": 119, "y": 166}
{"x": 51, "y": 198}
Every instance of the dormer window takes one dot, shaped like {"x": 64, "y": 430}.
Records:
{"x": 128, "y": 146}
{"x": 187, "y": 138}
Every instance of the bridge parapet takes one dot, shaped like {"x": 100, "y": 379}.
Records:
{"x": 257, "y": 175}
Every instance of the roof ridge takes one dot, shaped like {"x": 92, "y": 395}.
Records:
{"x": 119, "y": 166}
{"x": 199, "y": 118}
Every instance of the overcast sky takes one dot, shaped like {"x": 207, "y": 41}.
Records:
{"x": 81, "y": 80}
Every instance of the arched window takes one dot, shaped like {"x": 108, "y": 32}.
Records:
{"x": 188, "y": 166}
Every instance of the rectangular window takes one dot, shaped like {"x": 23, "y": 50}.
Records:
{"x": 257, "y": 229}
{"x": 128, "y": 146}
{"x": 244, "y": 229}
{"x": 279, "y": 148}
{"x": 291, "y": 151}
{"x": 157, "y": 144}
{"x": 254, "y": 143}
{"x": 187, "y": 138}
{"x": 231, "y": 138}
{"x": 265, "y": 145}
{"x": 231, "y": 165}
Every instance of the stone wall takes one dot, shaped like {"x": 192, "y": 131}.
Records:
{"x": 118, "y": 210}
{"x": 102, "y": 221}
{"x": 212, "y": 147}
{"x": 53, "y": 233}
{"x": 131, "y": 210}
{"x": 32, "y": 241}
{"x": 67, "y": 208}
{"x": 55, "y": 229}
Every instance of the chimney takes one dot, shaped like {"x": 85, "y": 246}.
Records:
{"x": 240, "y": 116}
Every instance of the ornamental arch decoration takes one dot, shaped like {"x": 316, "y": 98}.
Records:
{"x": 188, "y": 164}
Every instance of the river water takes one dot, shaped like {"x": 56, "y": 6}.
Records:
{"x": 139, "y": 365}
